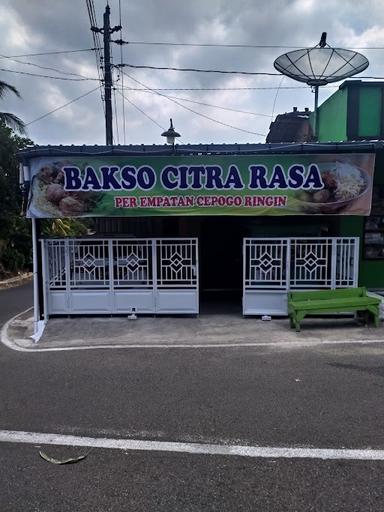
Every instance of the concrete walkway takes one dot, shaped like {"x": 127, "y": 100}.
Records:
{"x": 204, "y": 331}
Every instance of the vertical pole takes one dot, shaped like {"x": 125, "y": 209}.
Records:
{"x": 155, "y": 246}
{"x": 316, "y": 123}
{"x": 334, "y": 245}
{"x": 36, "y": 307}
{"x": 356, "y": 261}
{"x": 107, "y": 78}
{"x": 44, "y": 267}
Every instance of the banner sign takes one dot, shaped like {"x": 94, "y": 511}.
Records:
{"x": 322, "y": 184}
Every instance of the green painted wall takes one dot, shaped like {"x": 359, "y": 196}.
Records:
{"x": 332, "y": 119}
{"x": 333, "y": 127}
{"x": 369, "y": 112}
{"x": 371, "y": 272}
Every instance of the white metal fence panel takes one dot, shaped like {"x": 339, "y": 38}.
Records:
{"x": 264, "y": 263}
{"x": 272, "y": 266}
{"x": 120, "y": 276}
{"x": 57, "y": 270}
{"x": 177, "y": 264}
{"x": 89, "y": 264}
{"x": 132, "y": 264}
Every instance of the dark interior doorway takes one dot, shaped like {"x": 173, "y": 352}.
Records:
{"x": 221, "y": 269}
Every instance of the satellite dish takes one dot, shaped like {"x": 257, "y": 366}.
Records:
{"x": 320, "y": 65}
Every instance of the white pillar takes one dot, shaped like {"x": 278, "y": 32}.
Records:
{"x": 36, "y": 308}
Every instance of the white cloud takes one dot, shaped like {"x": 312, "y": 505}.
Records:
{"x": 64, "y": 25}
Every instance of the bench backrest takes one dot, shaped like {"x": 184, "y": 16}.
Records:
{"x": 327, "y": 294}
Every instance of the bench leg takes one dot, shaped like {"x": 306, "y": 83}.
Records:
{"x": 375, "y": 313}
{"x": 376, "y": 317}
{"x": 299, "y": 318}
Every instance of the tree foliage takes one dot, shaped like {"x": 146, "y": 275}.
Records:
{"x": 15, "y": 238}
{"x": 15, "y": 231}
{"x": 7, "y": 118}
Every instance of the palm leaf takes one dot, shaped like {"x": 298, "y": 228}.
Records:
{"x": 4, "y": 88}
{"x": 13, "y": 122}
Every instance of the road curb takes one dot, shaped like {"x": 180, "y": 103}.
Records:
{"x": 6, "y": 340}
{"x": 15, "y": 281}
{"x": 13, "y": 344}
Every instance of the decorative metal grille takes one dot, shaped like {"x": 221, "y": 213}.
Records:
{"x": 347, "y": 256}
{"x": 176, "y": 263}
{"x": 266, "y": 262}
{"x": 57, "y": 275}
{"x": 292, "y": 263}
{"x": 132, "y": 263}
{"x": 311, "y": 263}
{"x": 89, "y": 264}
{"x": 74, "y": 264}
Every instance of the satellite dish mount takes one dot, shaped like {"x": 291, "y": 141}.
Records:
{"x": 320, "y": 66}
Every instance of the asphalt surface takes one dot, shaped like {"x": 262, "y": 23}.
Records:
{"x": 14, "y": 300}
{"x": 325, "y": 397}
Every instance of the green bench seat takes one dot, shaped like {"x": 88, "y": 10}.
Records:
{"x": 304, "y": 303}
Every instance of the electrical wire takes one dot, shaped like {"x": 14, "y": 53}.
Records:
{"x": 275, "y": 98}
{"x": 224, "y": 45}
{"x": 49, "y": 76}
{"x": 53, "y": 53}
{"x": 194, "y": 111}
{"x": 166, "y": 68}
{"x": 122, "y": 76}
{"x": 115, "y": 116}
{"x": 41, "y": 67}
{"x": 142, "y": 111}
{"x": 207, "y": 45}
{"x": 97, "y": 46}
{"x": 226, "y": 88}
{"x": 207, "y": 104}
{"x": 61, "y": 106}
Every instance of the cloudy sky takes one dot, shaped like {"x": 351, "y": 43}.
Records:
{"x": 37, "y": 26}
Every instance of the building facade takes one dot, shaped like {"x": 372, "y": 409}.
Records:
{"x": 356, "y": 113}
{"x": 175, "y": 228}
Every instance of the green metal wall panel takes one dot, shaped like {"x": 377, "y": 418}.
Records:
{"x": 370, "y": 112}
{"x": 333, "y": 127}
{"x": 333, "y": 117}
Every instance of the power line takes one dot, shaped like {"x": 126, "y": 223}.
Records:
{"x": 204, "y": 45}
{"x": 166, "y": 68}
{"x": 207, "y": 104}
{"x": 122, "y": 76}
{"x": 276, "y": 95}
{"x": 49, "y": 76}
{"x": 226, "y": 88}
{"x": 194, "y": 111}
{"x": 41, "y": 67}
{"x": 116, "y": 120}
{"x": 97, "y": 45}
{"x": 53, "y": 53}
{"x": 142, "y": 111}
{"x": 225, "y": 45}
{"x": 61, "y": 106}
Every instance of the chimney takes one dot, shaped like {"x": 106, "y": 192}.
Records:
{"x": 294, "y": 109}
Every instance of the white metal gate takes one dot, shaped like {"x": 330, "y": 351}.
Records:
{"x": 88, "y": 276}
{"x": 272, "y": 266}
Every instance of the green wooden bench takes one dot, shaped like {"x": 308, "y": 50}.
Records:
{"x": 303, "y": 303}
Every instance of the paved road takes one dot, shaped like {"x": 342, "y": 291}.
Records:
{"x": 326, "y": 397}
{"x": 14, "y": 300}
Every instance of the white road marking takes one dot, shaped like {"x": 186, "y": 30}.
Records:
{"x": 4, "y": 338}
{"x": 270, "y": 452}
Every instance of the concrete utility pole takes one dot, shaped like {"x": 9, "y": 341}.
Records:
{"x": 107, "y": 31}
